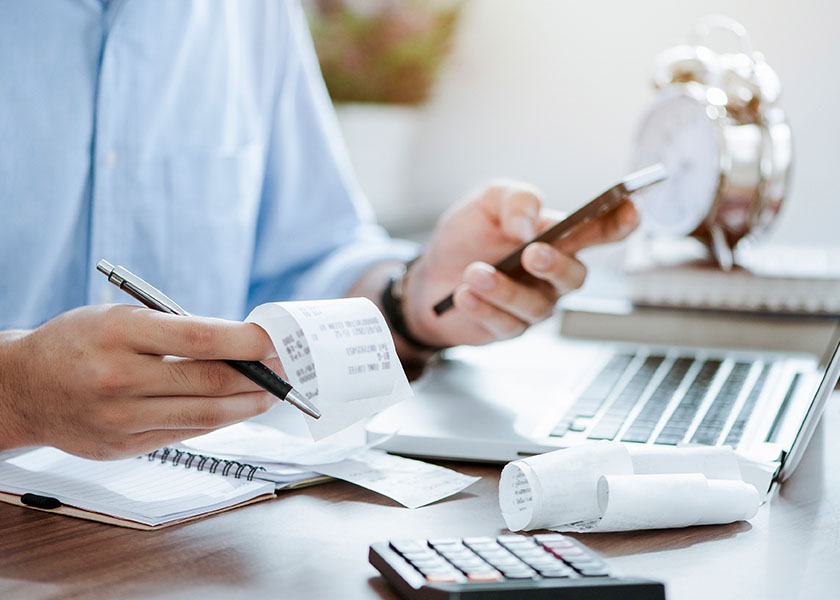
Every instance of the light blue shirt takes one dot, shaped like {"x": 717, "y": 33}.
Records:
{"x": 192, "y": 142}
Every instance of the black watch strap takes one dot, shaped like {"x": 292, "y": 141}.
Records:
{"x": 392, "y": 307}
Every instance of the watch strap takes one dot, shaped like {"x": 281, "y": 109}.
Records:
{"x": 392, "y": 307}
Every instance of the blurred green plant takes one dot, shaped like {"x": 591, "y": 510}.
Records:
{"x": 385, "y": 51}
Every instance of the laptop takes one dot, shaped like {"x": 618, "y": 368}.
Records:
{"x": 757, "y": 384}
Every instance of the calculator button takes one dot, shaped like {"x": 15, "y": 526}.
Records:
{"x": 505, "y": 560}
{"x": 456, "y": 553}
{"x": 469, "y": 564}
{"x": 552, "y": 546}
{"x": 518, "y": 573}
{"x": 403, "y": 546}
{"x": 441, "y": 569}
{"x": 514, "y": 546}
{"x": 469, "y": 541}
{"x": 419, "y": 555}
{"x": 550, "y": 537}
{"x": 534, "y": 555}
{"x": 506, "y": 539}
{"x": 442, "y": 546}
{"x": 435, "y": 542}
{"x": 556, "y": 573}
{"x": 594, "y": 572}
{"x": 454, "y": 577}
{"x": 581, "y": 562}
{"x": 492, "y": 555}
{"x": 568, "y": 552}
{"x": 485, "y": 547}
{"x": 428, "y": 564}
{"x": 484, "y": 576}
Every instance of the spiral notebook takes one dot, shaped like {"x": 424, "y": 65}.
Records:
{"x": 164, "y": 488}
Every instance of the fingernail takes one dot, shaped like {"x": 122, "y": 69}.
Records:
{"x": 523, "y": 227}
{"x": 481, "y": 277}
{"x": 629, "y": 219}
{"x": 541, "y": 258}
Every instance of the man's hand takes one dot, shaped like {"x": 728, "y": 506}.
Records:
{"x": 103, "y": 381}
{"x": 488, "y": 305}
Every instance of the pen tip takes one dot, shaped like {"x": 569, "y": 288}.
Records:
{"x": 296, "y": 399}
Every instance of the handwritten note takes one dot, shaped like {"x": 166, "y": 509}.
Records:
{"x": 339, "y": 354}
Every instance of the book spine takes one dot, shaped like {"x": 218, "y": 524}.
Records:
{"x": 188, "y": 460}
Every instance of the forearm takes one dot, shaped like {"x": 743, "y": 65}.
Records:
{"x": 12, "y": 434}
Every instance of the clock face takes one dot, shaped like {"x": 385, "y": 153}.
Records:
{"x": 677, "y": 132}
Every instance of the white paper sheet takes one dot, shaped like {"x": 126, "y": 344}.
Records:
{"x": 337, "y": 353}
{"x": 603, "y": 486}
{"x": 254, "y": 443}
{"x": 412, "y": 483}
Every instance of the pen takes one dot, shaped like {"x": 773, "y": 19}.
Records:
{"x": 253, "y": 370}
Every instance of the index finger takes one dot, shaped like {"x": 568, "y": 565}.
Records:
{"x": 206, "y": 338}
{"x": 612, "y": 226}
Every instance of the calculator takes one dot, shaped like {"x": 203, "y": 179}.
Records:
{"x": 507, "y": 566}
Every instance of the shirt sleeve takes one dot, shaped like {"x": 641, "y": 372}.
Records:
{"x": 316, "y": 233}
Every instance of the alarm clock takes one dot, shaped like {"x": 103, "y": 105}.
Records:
{"x": 717, "y": 126}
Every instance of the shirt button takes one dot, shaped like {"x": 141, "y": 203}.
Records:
{"x": 111, "y": 158}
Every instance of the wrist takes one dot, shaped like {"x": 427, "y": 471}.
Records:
{"x": 12, "y": 434}
{"x": 397, "y": 296}
{"x": 395, "y": 301}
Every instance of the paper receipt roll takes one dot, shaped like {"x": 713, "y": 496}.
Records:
{"x": 604, "y": 487}
{"x": 535, "y": 492}
{"x": 337, "y": 353}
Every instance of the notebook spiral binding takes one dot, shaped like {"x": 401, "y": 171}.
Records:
{"x": 186, "y": 459}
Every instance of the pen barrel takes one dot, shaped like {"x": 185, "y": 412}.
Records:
{"x": 262, "y": 376}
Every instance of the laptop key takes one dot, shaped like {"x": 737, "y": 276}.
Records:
{"x": 679, "y": 422}
{"x": 737, "y": 429}
{"x": 712, "y": 424}
{"x": 645, "y": 422}
{"x": 590, "y": 401}
{"x": 609, "y": 424}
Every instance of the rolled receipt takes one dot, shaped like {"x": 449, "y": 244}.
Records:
{"x": 603, "y": 486}
{"x": 558, "y": 487}
{"x": 339, "y": 354}
{"x": 628, "y": 502}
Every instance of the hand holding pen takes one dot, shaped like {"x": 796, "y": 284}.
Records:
{"x": 254, "y": 370}
{"x": 103, "y": 381}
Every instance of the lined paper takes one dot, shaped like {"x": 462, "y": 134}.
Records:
{"x": 136, "y": 489}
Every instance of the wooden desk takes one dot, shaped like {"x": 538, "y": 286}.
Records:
{"x": 313, "y": 544}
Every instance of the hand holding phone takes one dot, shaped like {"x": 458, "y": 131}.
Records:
{"x": 511, "y": 264}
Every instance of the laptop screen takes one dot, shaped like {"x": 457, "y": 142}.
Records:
{"x": 829, "y": 365}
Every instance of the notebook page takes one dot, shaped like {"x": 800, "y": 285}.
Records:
{"x": 136, "y": 489}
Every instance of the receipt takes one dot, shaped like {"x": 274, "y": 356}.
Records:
{"x": 603, "y": 486}
{"x": 412, "y": 483}
{"x": 254, "y": 442}
{"x": 337, "y": 353}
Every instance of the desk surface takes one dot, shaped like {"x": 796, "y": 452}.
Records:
{"x": 313, "y": 543}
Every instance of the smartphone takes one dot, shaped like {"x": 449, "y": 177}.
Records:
{"x": 511, "y": 264}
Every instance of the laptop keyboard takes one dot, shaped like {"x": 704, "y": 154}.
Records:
{"x": 609, "y": 424}
{"x": 646, "y": 421}
{"x": 676, "y": 427}
{"x": 691, "y": 377}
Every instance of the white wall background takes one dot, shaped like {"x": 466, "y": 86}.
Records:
{"x": 549, "y": 91}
